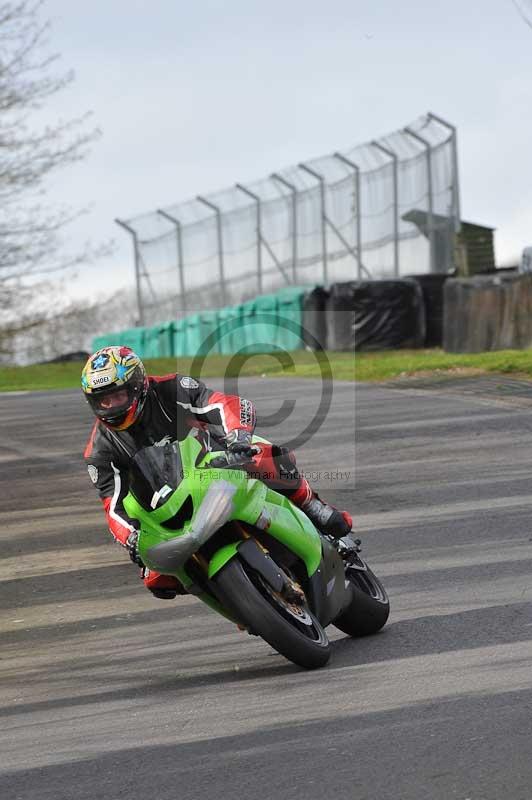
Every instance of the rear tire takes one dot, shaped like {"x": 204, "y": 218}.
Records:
{"x": 301, "y": 639}
{"x": 369, "y": 608}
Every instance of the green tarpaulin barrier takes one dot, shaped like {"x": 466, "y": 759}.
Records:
{"x": 259, "y": 325}
{"x": 133, "y": 337}
{"x": 200, "y": 333}
{"x": 162, "y": 340}
{"x": 99, "y": 342}
{"x": 268, "y": 323}
{"x": 229, "y": 329}
{"x": 178, "y": 337}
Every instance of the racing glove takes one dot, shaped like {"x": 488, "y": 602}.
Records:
{"x": 239, "y": 441}
{"x": 132, "y": 548}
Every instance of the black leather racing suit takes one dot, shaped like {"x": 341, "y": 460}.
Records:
{"x": 174, "y": 404}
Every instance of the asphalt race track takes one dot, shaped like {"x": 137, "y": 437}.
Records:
{"x": 106, "y": 692}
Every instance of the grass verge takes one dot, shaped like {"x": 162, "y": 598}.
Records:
{"x": 300, "y": 364}
{"x": 386, "y": 365}
{"x": 380, "y": 366}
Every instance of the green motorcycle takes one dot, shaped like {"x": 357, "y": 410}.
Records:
{"x": 248, "y": 552}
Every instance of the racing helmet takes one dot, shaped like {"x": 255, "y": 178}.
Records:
{"x": 115, "y": 385}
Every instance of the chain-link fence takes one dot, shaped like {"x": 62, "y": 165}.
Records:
{"x": 380, "y": 210}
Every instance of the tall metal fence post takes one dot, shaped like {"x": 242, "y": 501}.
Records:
{"x": 395, "y": 160}
{"x": 218, "y": 213}
{"x": 291, "y": 188}
{"x": 257, "y": 200}
{"x": 321, "y": 180}
{"x": 180, "y": 262}
{"x": 456, "y": 179}
{"x": 358, "y": 218}
{"x": 136, "y": 253}
{"x": 430, "y": 187}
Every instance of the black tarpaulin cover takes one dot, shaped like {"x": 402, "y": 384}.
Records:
{"x": 375, "y": 315}
{"x": 314, "y": 321}
{"x": 432, "y": 290}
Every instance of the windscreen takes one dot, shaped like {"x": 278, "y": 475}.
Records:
{"x": 155, "y": 474}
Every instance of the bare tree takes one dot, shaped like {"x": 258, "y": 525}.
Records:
{"x": 30, "y": 151}
{"x": 67, "y": 327}
{"x": 525, "y": 9}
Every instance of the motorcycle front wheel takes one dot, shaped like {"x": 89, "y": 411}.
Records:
{"x": 369, "y": 608}
{"x": 289, "y": 628}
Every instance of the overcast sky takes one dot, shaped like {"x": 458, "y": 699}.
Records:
{"x": 193, "y": 96}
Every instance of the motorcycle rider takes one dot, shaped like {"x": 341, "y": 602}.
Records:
{"x": 134, "y": 410}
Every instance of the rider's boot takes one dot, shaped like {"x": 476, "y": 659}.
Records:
{"x": 326, "y": 518}
{"x": 277, "y": 467}
{"x": 164, "y": 587}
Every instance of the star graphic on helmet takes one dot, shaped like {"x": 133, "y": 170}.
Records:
{"x": 121, "y": 371}
{"x": 100, "y": 361}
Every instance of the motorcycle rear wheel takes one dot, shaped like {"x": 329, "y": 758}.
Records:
{"x": 369, "y": 608}
{"x": 295, "y": 633}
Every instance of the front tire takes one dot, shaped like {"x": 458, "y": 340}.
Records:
{"x": 298, "y": 637}
{"x": 369, "y": 608}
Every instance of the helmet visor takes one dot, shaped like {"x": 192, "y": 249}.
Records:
{"x": 112, "y": 405}
{"x": 113, "y": 401}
